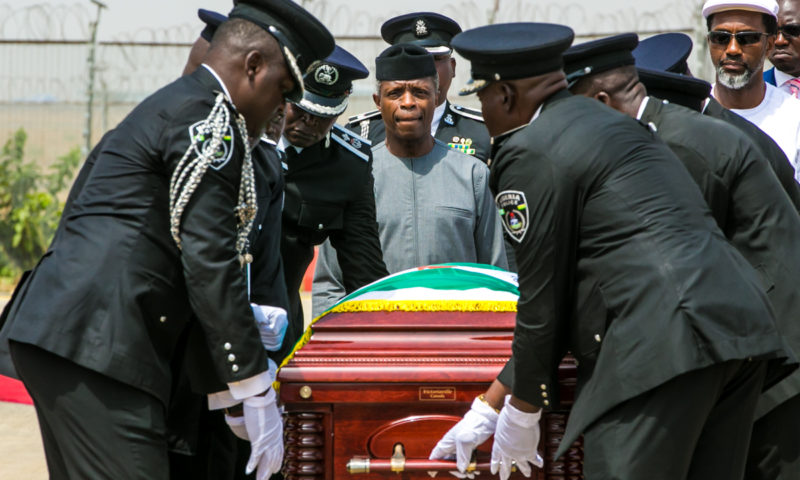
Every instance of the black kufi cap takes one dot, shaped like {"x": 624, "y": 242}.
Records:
{"x": 666, "y": 52}
{"x": 329, "y": 83}
{"x": 404, "y": 62}
{"x": 507, "y": 51}
{"x": 303, "y": 38}
{"x": 599, "y": 56}
{"x": 675, "y": 88}
{"x": 426, "y": 29}
{"x": 212, "y": 21}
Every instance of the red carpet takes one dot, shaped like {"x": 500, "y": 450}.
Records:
{"x": 13, "y": 391}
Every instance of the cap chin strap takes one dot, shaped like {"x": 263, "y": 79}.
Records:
{"x": 322, "y": 110}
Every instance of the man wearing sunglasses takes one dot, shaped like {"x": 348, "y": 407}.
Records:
{"x": 740, "y": 35}
{"x": 786, "y": 55}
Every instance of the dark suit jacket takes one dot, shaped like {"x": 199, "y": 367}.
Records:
{"x": 612, "y": 207}
{"x": 329, "y": 193}
{"x": 113, "y": 293}
{"x": 772, "y": 152}
{"x": 460, "y": 128}
{"x": 750, "y": 207}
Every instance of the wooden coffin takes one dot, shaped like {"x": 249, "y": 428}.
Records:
{"x": 372, "y": 385}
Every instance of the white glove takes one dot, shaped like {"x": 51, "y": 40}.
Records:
{"x": 271, "y": 323}
{"x": 237, "y": 426}
{"x": 265, "y": 430}
{"x": 516, "y": 439}
{"x": 474, "y": 429}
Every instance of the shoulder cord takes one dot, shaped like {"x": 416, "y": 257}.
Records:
{"x": 188, "y": 173}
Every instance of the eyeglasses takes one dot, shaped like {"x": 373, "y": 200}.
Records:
{"x": 742, "y": 38}
{"x": 791, "y": 30}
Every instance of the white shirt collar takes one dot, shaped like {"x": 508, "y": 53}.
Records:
{"x": 221, "y": 83}
{"x": 438, "y": 113}
{"x": 642, "y": 106}
{"x": 781, "y": 77}
{"x": 283, "y": 144}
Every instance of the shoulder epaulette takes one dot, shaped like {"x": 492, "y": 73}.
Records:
{"x": 358, "y": 145}
{"x": 467, "y": 112}
{"x": 364, "y": 116}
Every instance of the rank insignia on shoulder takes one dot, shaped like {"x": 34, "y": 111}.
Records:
{"x": 352, "y": 142}
{"x": 462, "y": 144}
{"x": 467, "y": 112}
{"x": 513, "y": 209}
{"x": 448, "y": 119}
{"x": 200, "y": 136}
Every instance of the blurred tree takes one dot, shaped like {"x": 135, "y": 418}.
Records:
{"x": 29, "y": 204}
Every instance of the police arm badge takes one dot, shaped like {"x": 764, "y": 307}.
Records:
{"x": 200, "y": 137}
{"x": 513, "y": 209}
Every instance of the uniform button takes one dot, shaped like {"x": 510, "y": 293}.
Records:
{"x": 235, "y": 368}
{"x": 544, "y": 394}
{"x": 227, "y": 346}
{"x": 546, "y": 403}
{"x": 162, "y": 319}
{"x": 320, "y": 227}
{"x": 231, "y": 357}
{"x": 543, "y": 386}
{"x": 597, "y": 337}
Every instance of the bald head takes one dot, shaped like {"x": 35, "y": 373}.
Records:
{"x": 619, "y": 88}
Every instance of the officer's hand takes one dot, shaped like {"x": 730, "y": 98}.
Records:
{"x": 271, "y": 323}
{"x": 516, "y": 439}
{"x": 474, "y": 429}
{"x": 265, "y": 430}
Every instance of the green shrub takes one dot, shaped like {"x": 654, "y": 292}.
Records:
{"x": 29, "y": 204}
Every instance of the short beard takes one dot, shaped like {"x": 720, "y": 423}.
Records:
{"x": 734, "y": 82}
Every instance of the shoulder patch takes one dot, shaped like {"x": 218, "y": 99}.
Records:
{"x": 358, "y": 145}
{"x": 200, "y": 135}
{"x": 364, "y": 116}
{"x": 513, "y": 209}
{"x": 467, "y": 112}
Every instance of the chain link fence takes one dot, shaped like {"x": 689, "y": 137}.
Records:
{"x": 45, "y": 56}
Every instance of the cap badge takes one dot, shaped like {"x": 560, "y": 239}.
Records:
{"x": 420, "y": 28}
{"x": 326, "y": 74}
{"x": 513, "y": 213}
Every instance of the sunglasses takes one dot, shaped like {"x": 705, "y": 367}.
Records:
{"x": 791, "y": 30}
{"x": 742, "y": 38}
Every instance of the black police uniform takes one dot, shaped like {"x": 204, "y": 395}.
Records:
{"x": 329, "y": 194}
{"x": 612, "y": 206}
{"x": 460, "y": 128}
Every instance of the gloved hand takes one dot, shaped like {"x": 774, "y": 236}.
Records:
{"x": 237, "y": 426}
{"x": 271, "y": 323}
{"x": 475, "y": 428}
{"x": 265, "y": 430}
{"x": 516, "y": 439}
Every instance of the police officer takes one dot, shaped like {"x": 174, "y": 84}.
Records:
{"x": 669, "y": 380}
{"x": 458, "y": 127}
{"x": 746, "y": 200}
{"x": 157, "y": 234}
{"x": 668, "y": 52}
{"x": 329, "y": 186}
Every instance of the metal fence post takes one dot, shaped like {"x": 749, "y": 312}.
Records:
{"x": 87, "y": 133}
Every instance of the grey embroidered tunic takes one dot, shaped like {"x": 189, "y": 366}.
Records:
{"x": 436, "y": 208}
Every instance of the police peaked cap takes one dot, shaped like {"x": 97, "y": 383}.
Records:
{"x": 426, "y": 29}
{"x": 599, "y": 56}
{"x": 508, "y": 51}
{"x": 212, "y": 21}
{"x": 689, "y": 92}
{"x": 666, "y": 52}
{"x": 328, "y": 83}
{"x": 404, "y": 61}
{"x": 302, "y": 38}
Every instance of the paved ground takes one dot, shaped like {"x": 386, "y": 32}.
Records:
{"x": 21, "y": 453}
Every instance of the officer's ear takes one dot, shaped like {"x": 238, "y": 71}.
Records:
{"x": 509, "y": 96}
{"x": 377, "y": 99}
{"x": 453, "y": 65}
{"x": 253, "y": 63}
{"x": 603, "y": 96}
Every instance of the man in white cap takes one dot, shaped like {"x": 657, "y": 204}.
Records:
{"x": 741, "y": 33}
